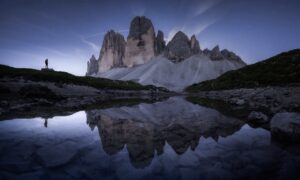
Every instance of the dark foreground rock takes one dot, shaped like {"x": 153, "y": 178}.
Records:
{"x": 256, "y": 106}
{"x": 286, "y": 127}
{"x": 258, "y": 117}
{"x": 26, "y": 98}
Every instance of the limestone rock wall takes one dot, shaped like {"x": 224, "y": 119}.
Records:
{"x": 112, "y": 51}
{"x": 92, "y": 66}
{"x": 140, "y": 42}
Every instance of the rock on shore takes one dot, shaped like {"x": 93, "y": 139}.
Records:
{"x": 286, "y": 126}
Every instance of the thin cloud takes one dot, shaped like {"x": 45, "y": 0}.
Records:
{"x": 95, "y": 47}
{"x": 171, "y": 33}
{"x": 196, "y": 29}
{"x": 56, "y": 52}
{"x": 198, "y": 20}
{"x": 89, "y": 43}
{"x": 204, "y": 6}
{"x": 191, "y": 29}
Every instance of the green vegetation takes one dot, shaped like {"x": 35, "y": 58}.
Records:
{"x": 63, "y": 77}
{"x": 279, "y": 70}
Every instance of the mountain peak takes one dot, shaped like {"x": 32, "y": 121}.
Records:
{"x": 181, "y": 47}
{"x": 231, "y": 56}
{"x": 143, "y": 44}
{"x": 92, "y": 66}
{"x": 139, "y": 25}
{"x": 180, "y": 35}
{"x": 93, "y": 57}
{"x": 112, "y": 51}
{"x": 216, "y": 54}
{"x": 195, "y": 45}
{"x": 178, "y": 48}
{"x": 140, "y": 46}
{"x": 216, "y": 49}
{"x": 160, "y": 43}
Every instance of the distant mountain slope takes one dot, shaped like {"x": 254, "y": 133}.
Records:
{"x": 174, "y": 76}
{"x": 279, "y": 70}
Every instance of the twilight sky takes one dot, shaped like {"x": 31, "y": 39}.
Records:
{"x": 68, "y": 32}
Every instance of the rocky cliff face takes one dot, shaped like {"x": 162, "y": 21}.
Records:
{"x": 112, "y": 51}
{"x": 215, "y": 54}
{"x": 232, "y": 56}
{"x": 92, "y": 66}
{"x": 140, "y": 42}
{"x": 160, "y": 43}
{"x": 142, "y": 45}
{"x": 195, "y": 47}
{"x": 181, "y": 48}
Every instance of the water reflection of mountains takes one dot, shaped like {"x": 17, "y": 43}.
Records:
{"x": 146, "y": 128}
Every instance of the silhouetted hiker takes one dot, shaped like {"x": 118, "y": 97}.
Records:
{"x": 46, "y": 63}
{"x": 46, "y": 123}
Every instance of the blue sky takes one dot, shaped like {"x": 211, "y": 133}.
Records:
{"x": 68, "y": 32}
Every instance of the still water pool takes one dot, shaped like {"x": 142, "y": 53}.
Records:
{"x": 173, "y": 139}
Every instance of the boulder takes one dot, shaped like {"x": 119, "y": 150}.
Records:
{"x": 237, "y": 101}
{"x": 257, "y": 117}
{"x": 286, "y": 126}
{"x": 92, "y": 66}
{"x": 179, "y": 48}
{"x": 240, "y": 102}
{"x": 140, "y": 46}
{"x": 112, "y": 51}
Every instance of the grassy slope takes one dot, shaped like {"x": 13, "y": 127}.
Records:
{"x": 63, "y": 77}
{"x": 279, "y": 70}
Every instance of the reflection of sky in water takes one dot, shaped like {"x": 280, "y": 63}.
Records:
{"x": 27, "y": 148}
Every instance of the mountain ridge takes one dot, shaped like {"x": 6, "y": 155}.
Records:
{"x": 143, "y": 44}
{"x": 281, "y": 69}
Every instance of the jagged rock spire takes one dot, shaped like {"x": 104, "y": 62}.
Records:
{"x": 216, "y": 54}
{"x": 180, "y": 47}
{"x": 140, "y": 46}
{"x": 195, "y": 47}
{"x": 112, "y": 51}
{"x": 92, "y": 66}
{"x": 160, "y": 43}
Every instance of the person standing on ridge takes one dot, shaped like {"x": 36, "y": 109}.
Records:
{"x": 46, "y": 63}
